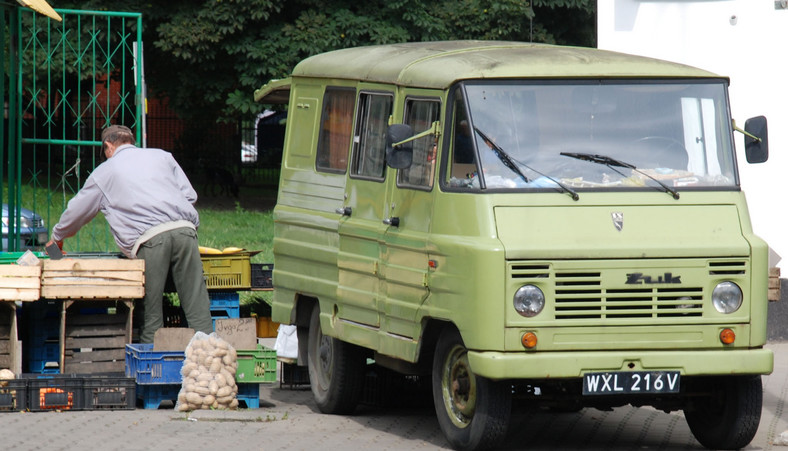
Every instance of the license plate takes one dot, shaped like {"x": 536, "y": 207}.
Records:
{"x": 631, "y": 382}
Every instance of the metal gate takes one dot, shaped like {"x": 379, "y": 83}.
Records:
{"x": 63, "y": 82}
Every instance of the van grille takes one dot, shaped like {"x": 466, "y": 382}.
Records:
{"x": 584, "y": 295}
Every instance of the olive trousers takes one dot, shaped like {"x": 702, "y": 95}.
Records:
{"x": 177, "y": 252}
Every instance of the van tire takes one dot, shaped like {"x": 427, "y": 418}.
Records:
{"x": 335, "y": 370}
{"x": 473, "y": 411}
{"x": 728, "y": 418}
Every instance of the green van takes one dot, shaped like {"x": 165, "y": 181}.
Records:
{"x": 525, "y": 223}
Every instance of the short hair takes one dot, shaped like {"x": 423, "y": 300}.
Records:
{"x": 117, "y": 134}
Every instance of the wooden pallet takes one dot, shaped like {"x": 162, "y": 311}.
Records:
{"x": 20, "y": 283}
{"x": 97, "y": 278}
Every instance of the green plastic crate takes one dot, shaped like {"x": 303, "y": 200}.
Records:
{"x": 256, "y": 365}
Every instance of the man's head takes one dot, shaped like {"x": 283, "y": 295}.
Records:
{"x": 114, "y": 136}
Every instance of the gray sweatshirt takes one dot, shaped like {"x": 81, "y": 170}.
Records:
{"x": 135, "y": 189}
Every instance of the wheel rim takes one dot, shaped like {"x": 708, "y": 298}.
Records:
{"x": 458, "y": 385}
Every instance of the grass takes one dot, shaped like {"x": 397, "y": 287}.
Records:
{"x": 220, "y": 227}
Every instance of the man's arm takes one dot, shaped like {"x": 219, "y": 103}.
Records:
{"x": 80, "y": 210}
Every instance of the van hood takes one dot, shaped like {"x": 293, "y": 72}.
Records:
{"x": 621, "y": 232}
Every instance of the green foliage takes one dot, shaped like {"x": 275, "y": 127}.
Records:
{"x": 209, "y": 56}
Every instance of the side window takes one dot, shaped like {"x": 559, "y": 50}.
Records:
{"x": 463, "y": 161}
{"x": 420, "y": 114}
{"x": 369, "y": 142}
{"x": 336, "y": 128}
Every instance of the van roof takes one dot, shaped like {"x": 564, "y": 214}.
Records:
{"x": 440, "y": 64}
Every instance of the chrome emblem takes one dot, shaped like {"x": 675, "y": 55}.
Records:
{"x": 618, "y": 219}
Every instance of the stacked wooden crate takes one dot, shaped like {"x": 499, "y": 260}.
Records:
{"x": 17, "y": 283}
{"x": 774, "y": 284}
{"x": 96, "y": 317}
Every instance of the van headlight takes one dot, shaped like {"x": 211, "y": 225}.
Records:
{"x": 529, "y": 300}
{"x": 726, "y": 297}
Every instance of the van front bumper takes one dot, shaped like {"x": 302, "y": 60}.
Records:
{"x": 552, "y": 365}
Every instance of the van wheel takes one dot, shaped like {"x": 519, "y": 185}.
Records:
{"x": 728, "y": 417}
{"x": 335, "y": 370}
{"x": 473, "y": 412}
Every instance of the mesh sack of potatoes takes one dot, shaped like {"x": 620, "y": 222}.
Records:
{"x": 208, "y": 375}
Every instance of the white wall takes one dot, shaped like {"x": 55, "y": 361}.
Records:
{"x": 742, "y": 39}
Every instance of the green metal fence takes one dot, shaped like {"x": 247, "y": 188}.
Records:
{"x": 63, "y": 83}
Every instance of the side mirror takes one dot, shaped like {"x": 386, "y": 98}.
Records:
{"x": 756, "y": 140}
{"x": 401, "y": 155}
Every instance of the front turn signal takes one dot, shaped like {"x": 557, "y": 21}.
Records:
{"x": 529, "y": 340}
{"x": 727, "y": 336}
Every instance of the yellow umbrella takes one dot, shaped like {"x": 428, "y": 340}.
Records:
{"x": 41, "y": 6}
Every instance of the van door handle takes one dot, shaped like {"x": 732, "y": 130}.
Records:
{"x": 393, "y": 221}
{"x": 344, "y": 211}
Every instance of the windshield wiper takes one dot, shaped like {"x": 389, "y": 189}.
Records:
{"x": 502, "y": 155}
{"x": 513, "y": 164}
{"x": 611, "y": 162}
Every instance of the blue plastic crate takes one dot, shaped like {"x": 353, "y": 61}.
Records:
{"x": 152, "y": 395}
{"x": 147, "y": 366}
{"x": 224, "y": 299}
{"x": 46, "y": 351}
{"x": 249, "y": 394}
{"x": 43, "y": 366}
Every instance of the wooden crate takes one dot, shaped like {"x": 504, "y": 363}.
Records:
{"x": 20, "y": 283}
{"x": 94, "y": 336}
{"x": 93, "y": 278}
{"x": 10, "y": 346}
{"x": 774, "y": 284}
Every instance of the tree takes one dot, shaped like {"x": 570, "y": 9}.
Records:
{"x": 208, "y": 57}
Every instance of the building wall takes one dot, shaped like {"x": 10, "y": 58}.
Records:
{"x": 742, "y": 39}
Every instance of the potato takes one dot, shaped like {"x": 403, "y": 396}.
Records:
{"x": 225, "y": 400}
{"x": 194, "y": 398}
{"x": 224, "y": 392}
{"x": 213, "y": 387}
{"x": 188, "y": 388}
{"x": 234, "y": 404}
{"x": 202, "y": 391}
{"x": 216, "y": 366}
{"x": 208, "y": 400}
{"x": 205, "y": 377}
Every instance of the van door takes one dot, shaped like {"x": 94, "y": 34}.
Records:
{"x": 362, "y": 225}
{"x": 404, "y": 252}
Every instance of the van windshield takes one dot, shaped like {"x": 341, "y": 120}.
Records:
{"x": 511, "y": 135}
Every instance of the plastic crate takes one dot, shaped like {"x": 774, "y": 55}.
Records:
{"x": 256, "y": 365}
{"x": 294, "y": 375}
{"x": 43, "y": 366}
{"x": 48, "y": 351}
{"x": 226, "y": 271}
{"x": 13, "y": 395}
{"x": 153, "y": 395}
{"x": 7, "y": 258}
{"x": 55, "y": 392}
{"x": 109, "y": 393}
{"x": 262, "y": 276}
{"x": 147, "y": 366}
{"x": 249, "y": 394}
